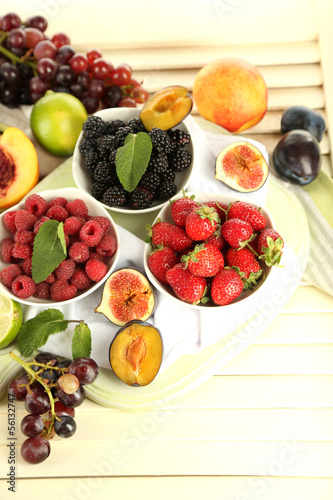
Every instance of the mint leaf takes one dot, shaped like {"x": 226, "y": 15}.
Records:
{"x": 81, "y": 342}
{"x": 132, "y": 159}
{"x": 35, "y": 332}
{"x": 49, "y": 249}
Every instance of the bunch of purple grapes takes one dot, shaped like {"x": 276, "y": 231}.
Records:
{"x": 32, "y": 63}
{"x": 51, "y": 396}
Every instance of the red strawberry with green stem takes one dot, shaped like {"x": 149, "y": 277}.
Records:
{"x": 220, "y": 207}
{"x": 201, "y": 222}
{"x": 269, "y": 246}
{"x": 247, "y": 212}
{"x": 237, "y": 232}
{"x": 160, "y": 260}
{"x": 226, "y": 286}
{"x": 169, "y": 235}
{"x": 205, "y": 260}
{"x": 244, "y": 260}
{"x": 181, "y": 208}
{"x": 186, "y": 286}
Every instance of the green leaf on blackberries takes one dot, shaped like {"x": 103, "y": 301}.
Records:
{"x": 35, "y": 331}
{"x": 132, "y": 159}
{"x": 49, "y": 250}
{"x": 81, "y": 341}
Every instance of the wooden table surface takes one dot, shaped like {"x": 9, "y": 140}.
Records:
{"x": 261, "y": 427}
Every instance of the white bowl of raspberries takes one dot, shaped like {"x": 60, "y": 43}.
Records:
{"x": 94, "y": 169}
{"x": 211, "y": 251}
{"x": 90, "y": 245}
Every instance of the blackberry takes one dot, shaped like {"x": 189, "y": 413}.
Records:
{"x": 107, "y": 144}
{"x": 150, "y": 181}
{"x": 158, "y": 163}
{"x": 140, "y": 198}
{"x": 180, "y": 159}
{"x": 167, "y": 189}
{"x": 121, "y": 135}
{"x": 112, "y": 157}
{"x": 136, "y": 125}
{"x": 93, "y": 127}
{"x": 179, "y": 137}
{"x": 97, "y": 190}
{"x": 91, "y": 159}
{"x": 115, "y": 196}
{"x": 86, "y": 145}
{"x": 112, "y": 127}
{"x": 168, "y": 175}
{"x": 161, "y": 140}
{"x": 105, "y": 173}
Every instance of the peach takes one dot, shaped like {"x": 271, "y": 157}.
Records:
{"x": 19, "y": 170}
{"x": 232, "y": 93}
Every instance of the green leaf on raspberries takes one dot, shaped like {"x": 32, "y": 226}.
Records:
{"x": 132, "y": 159}
{"x": 49, "y": 249}
{"x": 81, "y": 342}
{"x": 35, "y": 332}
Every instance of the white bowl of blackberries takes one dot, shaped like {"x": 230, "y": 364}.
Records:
{"x": 127, "y": 168}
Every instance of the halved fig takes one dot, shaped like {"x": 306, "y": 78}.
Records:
{"x": 127, "y": 295}
{"x": 242, "y": 167}
{"x": 136, "y": 353}
{"x": 166, "y": 108}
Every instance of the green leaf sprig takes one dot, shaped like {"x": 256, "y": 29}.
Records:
{"x": 132, "y": 159}
{"x": 49, "y": 250}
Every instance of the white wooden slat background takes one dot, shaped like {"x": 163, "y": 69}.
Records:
{"x": 261, "y": 427}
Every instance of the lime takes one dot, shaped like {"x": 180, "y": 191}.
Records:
{"x": 11, "y": 317}
{"x": 56, "y": 122}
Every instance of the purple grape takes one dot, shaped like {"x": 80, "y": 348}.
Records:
{"x": 72, "y": 400}
{"x": 32, "y": 425}
{"x": 18, "y": 387}
{"x": 85, "y": 369}
{"x": 66, "y": 427}
{"x": 35, "y": 450}
{"x": 37, "y": 402}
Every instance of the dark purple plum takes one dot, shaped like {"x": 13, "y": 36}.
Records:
{"x": 303, "y": 118}
{"x": 297, "y": 157}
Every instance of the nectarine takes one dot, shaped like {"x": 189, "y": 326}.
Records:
{"x": 232, "y": 93}
{"x": 19, "y": 169}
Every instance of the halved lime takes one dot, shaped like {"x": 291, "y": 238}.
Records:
{"x": 11, "y": 317}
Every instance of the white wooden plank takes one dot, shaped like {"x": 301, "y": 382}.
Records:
{"x": 194, "y": 487}
{"x": 309, "y": 299}
{"x": 280, "y": 359}
{"x": 141, "y": 457}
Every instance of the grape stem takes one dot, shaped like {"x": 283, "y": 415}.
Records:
{"x": 13, "y": 57}
{"x": 35, "y": 376}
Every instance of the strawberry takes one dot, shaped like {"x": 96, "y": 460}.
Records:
{"x": 168, "y": 235}
{"x": 220, "y": 207}
{"x": 181, "y": 208}
{"x": 237, "y": 232}
{"x": 246, "y": 262}
{"x": 201, "y": 222}
{"x": 216, "y": 239}
{"x": 227, "y": 285}
{"x": 160, "y": 260}
{"x": 205, "y": 260}
{"x": 249, "y": 213}
{"x": 186, "y": 286}
{"x": 269, "y": 246}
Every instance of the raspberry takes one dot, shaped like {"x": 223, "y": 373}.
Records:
{"x": 57, "y": 213}
{"x": 57, "y": 201}
{"x": 107, "y": 246}
{"x": 9, "y": 221}
{"x": 42, "y": 290}
{"x": 96, "y": 256}
{"x": 9, "y": 273}
{"x": 72, "y": 225}
{"x": 36, "y": 205}
{"x": 95, "y": 270}
{"x": 22, "y": 250}
{"x": 77, "y": 207}
{"x": 62, "y": 290}
{"x": 79, "y": 252}
{"x": 24, "y": 236}
{"x": 80, "y": 280}
{"x": 103, "y": 222}
{"x": 6, "y": 249}
{"x": 40, "y": 222}
{"x": 23, "y": 287}
{"x": 65, "y": 270}
{"x": 24, "y": 220}
{"x": 51, "y": 278}
{"x": 91, "y": 233}
{"x": 26, "y": 266}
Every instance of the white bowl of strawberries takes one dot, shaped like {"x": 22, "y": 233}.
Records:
{"x": 211, "y": 251}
